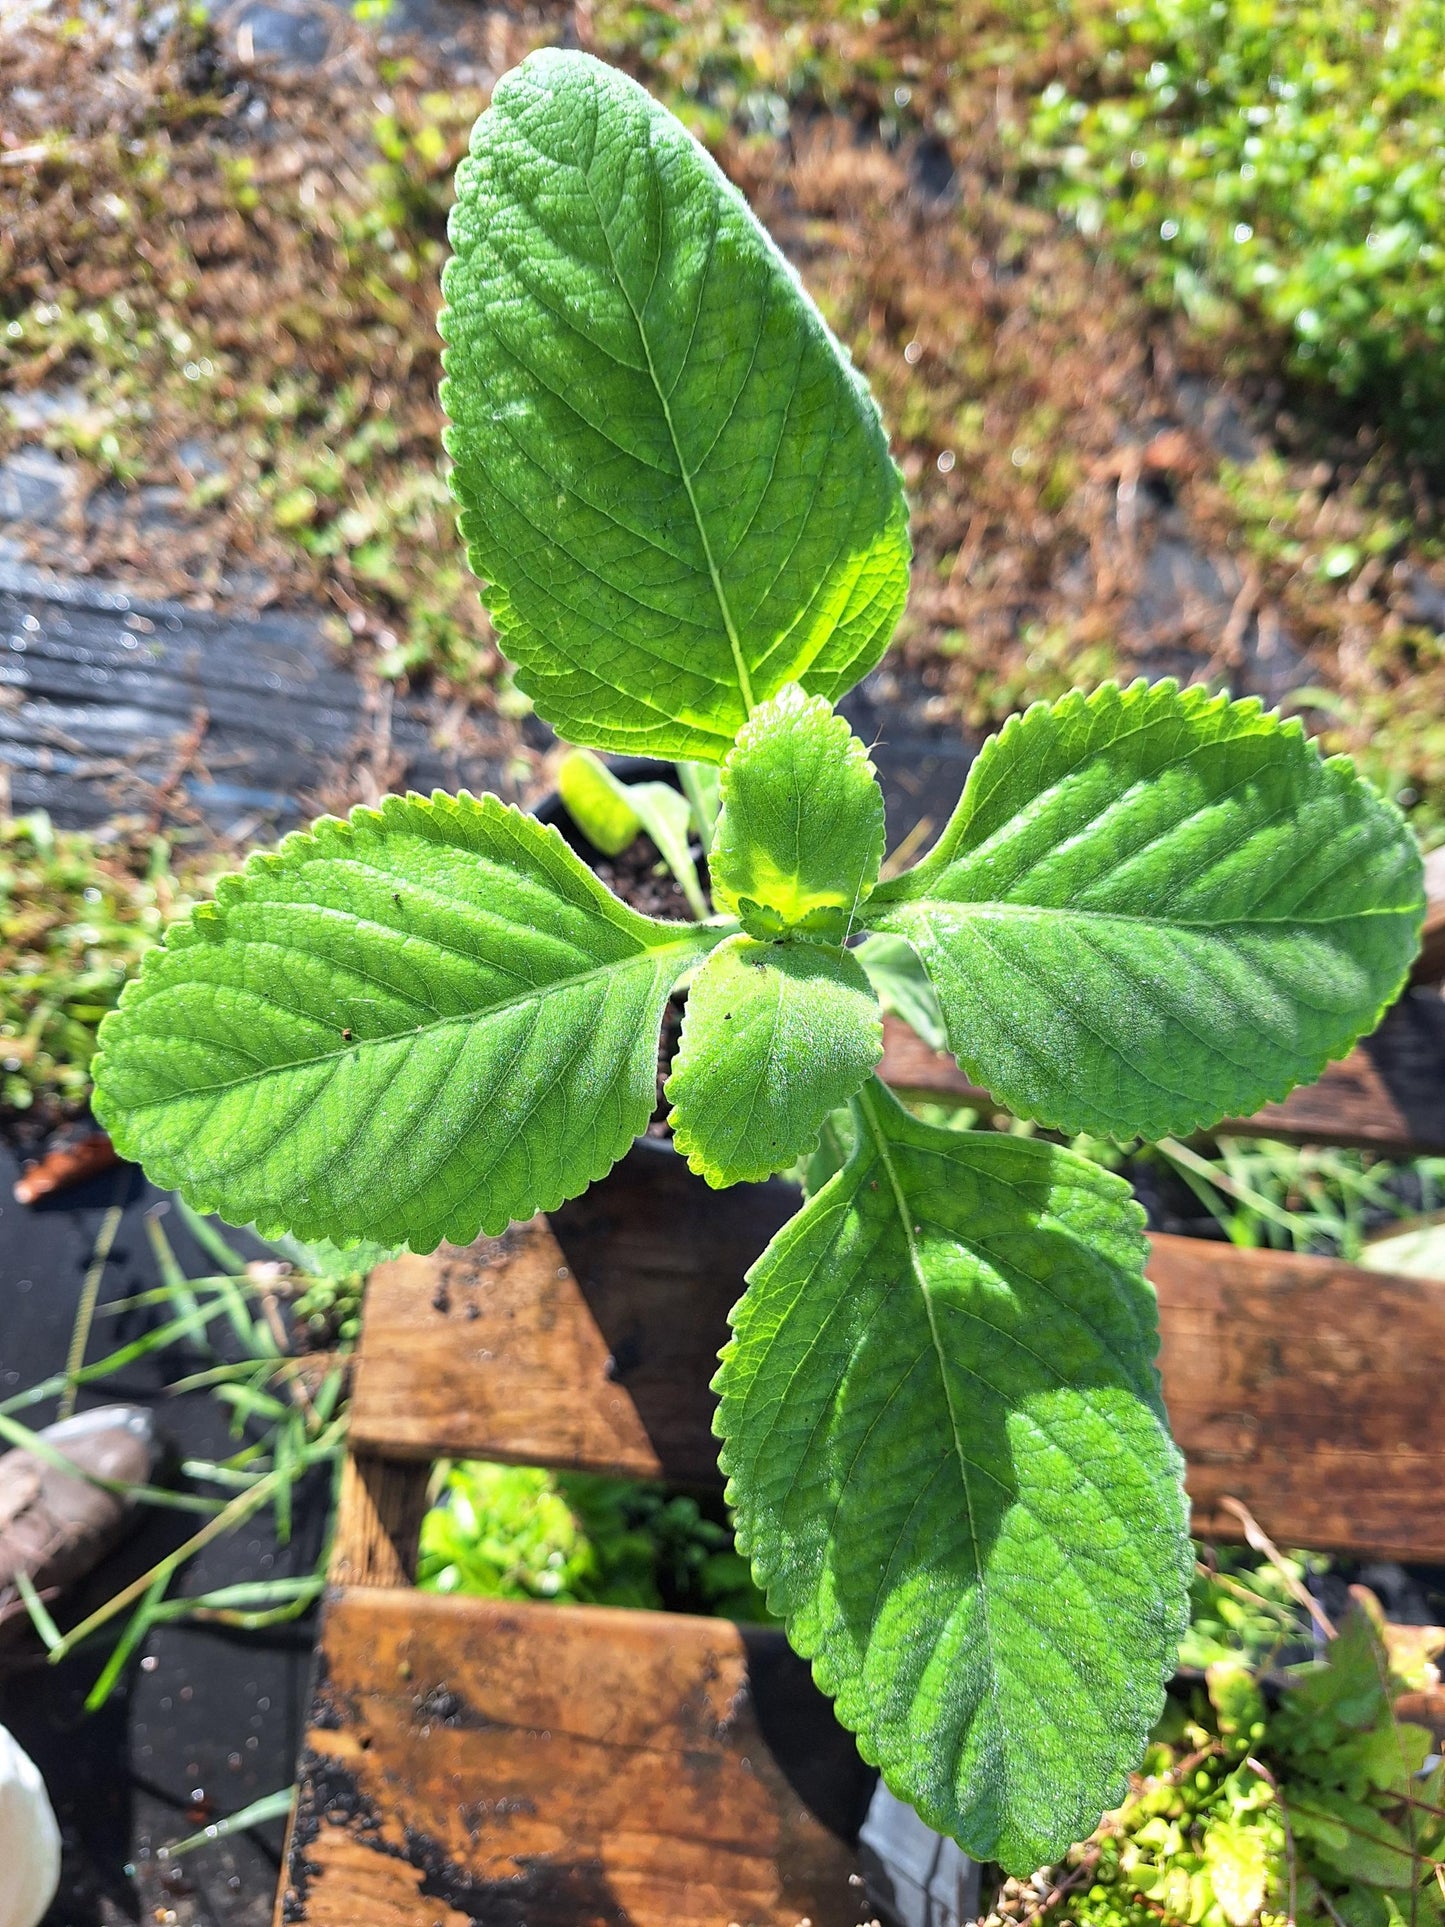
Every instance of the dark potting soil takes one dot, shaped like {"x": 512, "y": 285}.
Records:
{"x": 643, "y": 881}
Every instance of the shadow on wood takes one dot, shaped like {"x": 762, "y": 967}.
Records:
{"x": 1304, "y": 1387}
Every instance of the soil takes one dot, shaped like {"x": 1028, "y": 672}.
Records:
{"x": 642, "y": 880}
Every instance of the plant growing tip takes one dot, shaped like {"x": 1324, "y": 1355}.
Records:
{"x": 1153, "y": 908}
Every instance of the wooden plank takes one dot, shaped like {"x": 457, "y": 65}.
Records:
{"x": 378, "y": 1522}
{"x": 469, "y": 1760}
{"x": 1307, "y": 1389}
{"x": 1387, "y": 1095}
{"x": 1310, "y": 1390}
{"x": 595, "y": 1352}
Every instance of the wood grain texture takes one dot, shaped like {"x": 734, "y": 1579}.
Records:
{"x": 588, "y": 1340}
{"x": 1308, "y": 1389}
{"x": 1387, "y": 1095}
{"x": 378, "y": 1522}
{"x": 472, "y": 1761}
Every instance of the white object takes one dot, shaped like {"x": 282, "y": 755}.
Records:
{"x": 29, "y": 1839}
{"x": 916, "y": 1878}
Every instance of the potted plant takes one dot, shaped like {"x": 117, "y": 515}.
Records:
{"x": 1152, "y": 908}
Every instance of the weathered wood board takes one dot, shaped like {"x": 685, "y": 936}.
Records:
{"x": 1308, "y": 1389}
{"x": 542, "y": 1766}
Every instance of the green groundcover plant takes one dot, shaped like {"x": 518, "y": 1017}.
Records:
{"x": 1152, "y": 908}
{"x": 1286, "y": 153}
{"x": 1310, "y": 1803}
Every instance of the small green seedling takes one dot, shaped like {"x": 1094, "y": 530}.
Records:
{"x": 1153, "y": 908}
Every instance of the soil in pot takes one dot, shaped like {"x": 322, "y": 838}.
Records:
{"x": 643, "y": 881}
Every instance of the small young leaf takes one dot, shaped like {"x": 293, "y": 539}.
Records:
{"x": 775, "y": 1036}
{"x": 800, "y": 837}
{"x": 949, "y": 1464}
{"x": 597, "y": 803}
{"x": 424, "y": 1022}
{"x": 610, "y": 814}
{"x": 1239, "y": 1861}
{"x": 702, "y": 786}
{"x": 671, "y": 477}
{"x": 1154, "y": 908}
{"x": 667, "y": 817}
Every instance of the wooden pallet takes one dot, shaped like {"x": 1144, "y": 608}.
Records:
{"x": 537, "y": 1766}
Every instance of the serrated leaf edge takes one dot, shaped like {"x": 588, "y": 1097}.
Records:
{"x": 1198, "y": 701}
{"x": 298, "y": 846}
{"x": 1195, "y": 699}
{"x": 849, "y": 1712}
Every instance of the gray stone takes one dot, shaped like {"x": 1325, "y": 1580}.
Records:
{"x": 36, "y": 486}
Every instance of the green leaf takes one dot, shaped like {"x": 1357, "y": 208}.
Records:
{"x": 702, "y": 786}
{"x": 950, "y": 1466}
{"x": 1352, "y": 1837}
{"x": 800, "y": 837}
{"x": 323, "y": 1259}
{"x": 1154, "y": 908}
{"x": 424, "y": 1022}
{"x": 671, "y": 477}
{"x": 597, "y": 803}
{"x": 1239, "y": 1858}
{"x": 775, "y": 1037}
{"x": 903, "y": 986}
{"x": 834, "y": 1148}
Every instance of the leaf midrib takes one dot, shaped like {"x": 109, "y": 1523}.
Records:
{"x": 745, "y": 688}
{"x": 905, "y": 1219}
{"x": 533, "y": 994}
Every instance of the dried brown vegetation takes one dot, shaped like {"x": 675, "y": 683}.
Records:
{"x": 238, "y": 270}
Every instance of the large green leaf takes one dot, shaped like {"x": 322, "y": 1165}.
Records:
{"x": 1154, "y": 908}
{"x": 672, "y": 479}
{"x": 776, "y": 1035}
{"x": 426, "y": 1021}
{"x": 800, "y": 837}
{"x": 950, "y": 1467}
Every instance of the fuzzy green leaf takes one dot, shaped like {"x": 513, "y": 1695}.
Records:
{"x": 775, "y": 1037}
{"x": 671, "y": 478}
{"x": 800, "y": 837}
{"x": 1154, "y": 908}
{"x": 419, "y": 1024}
{"x": 950, "y": 1467}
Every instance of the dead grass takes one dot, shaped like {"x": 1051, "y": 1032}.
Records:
{"x": 220, "y": 256}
